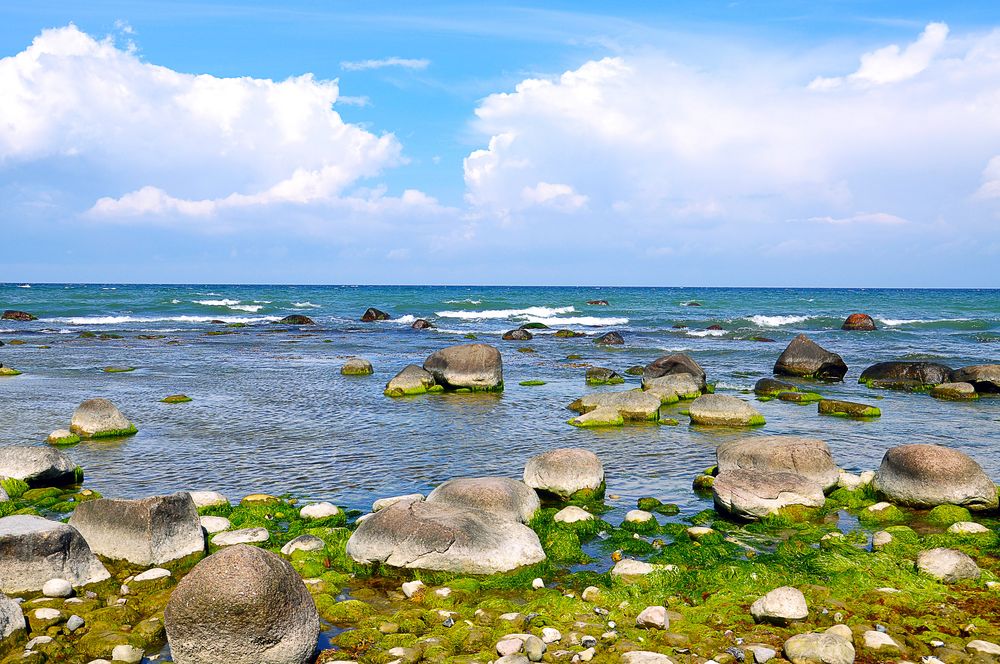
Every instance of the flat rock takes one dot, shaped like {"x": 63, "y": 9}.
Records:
{"x": 34, "y": 550}
{"x": 38, "y": 466}
{"x": 504, "y": 497}
{"x": 875, "y": 640}
{"x": 780, "y": 606}
{"x": 948, "y": 565}
{"x": 678, "y": 363}
{"x": 847, "y": 409}
{"x": 214, "y": 524}
{"x": 752, "y": 494}
{"x": 357, "y": 366}
{"x": 723, "y": 410}
{"x": 905, "y": 375}
{"x": 968, "y": 528}
{"x": 382, "y": 503}
{"x": 97, "y": 418}
{"x": 983, "y": 647}
{"x": 241, "y": 536}
{"x": 476, "y": 367}
{"x": 954, "y": 391}
{"x": 411, "y": 380}
{"x": 565, "y": 472}
{"x": 605, "y": 416}
{"x": 985, "y": 378}
{"x": 207, "y": 499}
{"x": 634, "y": 405}
{"x": 809, "y": 457}
{"x": 684, "y": 385}
{"x": 804, "y": 357}
{"x": 921, "y": 475}
{"x": 817, "y": 648}
{"x": 303, "y": 543}
{"x": 770, "y": 387}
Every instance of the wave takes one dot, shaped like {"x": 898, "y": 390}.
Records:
{"x": 584, "y": 321}
{"x": 175, "y": 301}
{"x": 777, "y": 321}
{"x": 7, "y": 329}
{"x": 249, "y": 308}
{"x": 403, "y": 320}
{"x": 118, "y": 320}
{"x": 306, "y": 305}
{"x": 25, "y": 286}
{"x": 705, "y": 333}
{"x": 216, "y": 303}
{"x": 465, "y": 301}
{"x": 537, "y": 312}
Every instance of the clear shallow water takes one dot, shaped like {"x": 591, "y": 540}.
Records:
{"x": 272, "y": 413}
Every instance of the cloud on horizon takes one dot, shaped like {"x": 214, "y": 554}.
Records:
{"x": 405, "y": 63}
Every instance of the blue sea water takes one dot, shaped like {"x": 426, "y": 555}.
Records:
{"x": 271, "y": 412}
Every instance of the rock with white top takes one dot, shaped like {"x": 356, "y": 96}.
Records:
{"x": 644, "y": 657}
{"x": 35, "y": 550}
{"x": 99, "y": 418}
{"x": 57, "y": 588}
{"x": 968, "y": 528}
{"x": 572, "y": 514}
{"x": 207, "y": 499}
{"x": 981, "y": 647}
{"x": 507, "y": 498}
{"x": 948, "y": 565}
{"x": 819, "y": 648}
{"x": 214, "y": 524}
{"x": 723, "y": 410}
{"x": 566, "y": 473}
{"x": 879, "y": 640}
{"x": 809, "y": 457}
{"x": 38, "y": 466}
{"x": 319, "y": 511}
{"x": 780, "y": 606}
{"x": 303, "y": 543}
{"x": 242, "y": 536}
{"x": 653, "y": 617}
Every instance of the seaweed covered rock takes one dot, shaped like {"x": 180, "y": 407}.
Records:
{"x": 357, "y": 366}
{"x": 605, "y": 416}
{"x": 684, "y": 385}
{"x": 839, "y": 408}
{"x": 954, "y": 392}
{"x": 410, "y": 381}
{"x": 808, "y": 457}
{"x": 678, "y": 363}
{"x": 147, "y": 531}
{"x": 819, "y": 648}
{"x": 921, "y": 475}
{"x": 859, "y": 322}
{"x": 752, "y": 494}
{"x": 296, "y": 319}
{"x": 99, "y": 418}
{"x": 723, "y": 410}
{"x": 602, "y": 376}
{"x": 372, "y": 314}
{"x": 504, "y": 497}
{"x": 566, "y": 472}
{"x": 517, "y": 335}
{"x": 610, "y": 339}
{"x": 985, "y": 378}
{"x": 242, "y": 605}
{"x": 771, "y": 387}
{"x": 13, "y": 314}
{"x": 634, "y": 405}
{"x": 444, "y": 537}
{"x": 38, "y": 466}
{"x": 806, "y": 358}
{"x": 476, "y": 367}
{"x": 905, "y": 375}
{"x": 34, "y": 550}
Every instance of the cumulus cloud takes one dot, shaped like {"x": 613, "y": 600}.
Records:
{"x": 405, "y": 63}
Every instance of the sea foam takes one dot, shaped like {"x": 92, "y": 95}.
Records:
{"x": 777, "y": 321}
{"x": 537, "y": 312}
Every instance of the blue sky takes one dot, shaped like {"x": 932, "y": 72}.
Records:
{"x": 701, "y": 143}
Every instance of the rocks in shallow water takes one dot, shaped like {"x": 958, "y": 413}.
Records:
{"x": 357, "y": 366}
{"x": 921, "y": 475}
{"x": 804, "y": 357}
{"x": 722, "y": 410}
{"x": 770, "y": 387}
{"x": 444, "y": 537}
{"x": 34, "y": 550}
{"x": 780, "y": 606}
{"x": 568, "y": 334}
{"x": 752, "y": 494}
{"x": 684, "y": 385}
{"x": 38, "y": 466}
{"x": 176, "y": 398}
{"x": 422, "y": 324}
{"x": 242, "y": 605}
{"x": 147, "y": 531}
{"x": 631, "y": 404}
{"x": 506, "y": 498}
{"x": 905, "y": 375}
{"x": 372, "y": 314}
{"x": 954, "y": 392}
{"x": 859, "y": 322}
{"x": 605, "y": 416}
{"x": 839, "y": 408}
{"x": 59, "y": 438}
{"x": 99, "y": 418}
{"x": 13, "y": 314}
{"x": 8, "y": 371}
{"x": 678, "y": 363}
{"x": 808, "y": 457}
{"x": 410, "y": 381}
{"x": 817, "y": 648}
{"x": 567, "y": 472}
{"x": 476, "y": 367}
{"x": 602, "y": 376}
{"x": 517, "y": 335}
{"x": 296, "y": 319}
{"x": 985, "y": 378}
{"x": 610, "y": 339}
{"x": 948, "y": 565}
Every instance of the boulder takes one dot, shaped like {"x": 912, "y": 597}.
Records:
{"x": 566, "y": 472}
{"x": 771, "y": 387}
{"x": 296, "y": 319}
{"x": 602, "y": 376}
{"x": 839, "y": 408}
{"x": 610, "y": 339}
{"x": 207, "y": 498}
{"x": 99, "y": 418}
{"x": 633, "y": 405}
{"x": 34, "y": 550}
{"x": 859, "y": 322}
{"x": 411, "y": 380}
{"x": 678, "y": 363}
{"x": 568, "y": 334}
{"x": 598, "y": 303}
{"x": 722, "y": 410}
{"x": 948, "y": 565}
{"x": 644, "y": 657}
{"x": 11, "y": 620}
{"x": 422, "y": 324}
{"x": 13, "y": 314}
{"x": 905, "y": 375}
{"x": 242, "y": 605}
{"x": 684, "y": 385}
{"x": 572, "y": 514}
{"x": 921, "y": 475}
{"x": 605, "y": 416}
{"x": 38, "y": 466}
{"x": 321, "y": 510}
{"x": 61, "y": 438}
{"x": 476, "y": 367}
{"x": 517, "y": 335}
{"x": 752, "y": 494}
{"x": 985, "y": 378}
{"x": 357, "y": 366}
{"x": 954, "y": 392}
{"x": 808, "y": 457}
{"x": 506, "y": 498}
{"x": 819, "y": 648}
{"x": 445, "y": 537}
{"x": 147, "y": 531}
{"x": 780, "y": 606}
{"x": 372, "y": 314}
{"x": 804, "y": 357}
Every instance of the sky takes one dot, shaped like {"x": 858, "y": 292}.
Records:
{"x": 835, "y": 143}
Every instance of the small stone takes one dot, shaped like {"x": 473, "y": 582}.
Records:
{"x": 37, "y": 641}
{"x": 645, "y": 657}
{"x": 243, "y": 536}
{"x": 780, "y": 606}
{"x": 878, "y": 640}
{"x": 443, "y": 592}
{"x": 587, "y": 655}
{"x": 572, "y": 514}
{"x": 967, "y": 528}
{"x": 509, "y": 646}
{"x": 588, "y": 642}
{"x": 983, "y": 648}
{"x": 126, "y": 653}
{"x": 74, "y": 623}
{"x": 762, "y": 654}
{"x": 948, "y": 565}
{"x": 881, "y": 539}
{"x": 638, "y": 516}
{"x": 411, "y": 588}
{"x": 811, "y": 647}
{"x": 534, "y": 648}
{"x": 538, "y": 584}
{"x": 653, "y": 617}
{"x": 319, "y": 511}
{"x": 215, "y": 524}
{"x": 207, "y": 498}
{"x": 630, "y": 567}
{"x": 551, "y": 635}
{"x": 843, "y": 631}
{"x": 591, "y": 594}
{"x": 151, "y": 575}
{"x": 57, "y": 588}
{"x": 303, "y": 543}
{"x": 699, "y": 532}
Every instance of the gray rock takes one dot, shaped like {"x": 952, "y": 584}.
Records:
{"x": 11, "y": 618}
{"x": 506, "y": 498}
{"x": 602, "y": 376}
{"x": 808, "y": 457}
{"x": 948, "y": 565}
{"x": 984, "y": 378}
{"x": 678, "y": 363}
{"x": 57, "y": 588}
{"x": 382, "y": 503}
{"x": 411, "y": 380}
{"x": 634, "y": 405}
{"x": 610, "y": 339}
{"x": 804, "y": 357}
{"x": 904, "y": 375}
{"x": 74, "y": 623}
{"x": 722, "y": 410}
{"x": 357, "y": 366}
{"x": 34, "y": 550}
{"x": 771, "y": 387}
{"x": 751, "y": 494}
{"x": 534, "y": 648}
{"x": 38, "y": 466}
{"x": 565, "y": 471}
{"x": 214, "y": 524}
{"x": 242, "y": 605}
{"x": 445, "y": 537}
{"x": 762, "y": 654}
{"x": 303, "y": 543}
{"x": 684, "y": 385}
{"x": 476, "y": 367}
{"x": 207, "y": 498}
{"x": 644, "y": 657}
{"x": 242, "y": 536}
{"x": 921, "y": 475}
{"x": 96, "y": 418}
{"x": 780, "y": 606}
{"x": 572, "y": 514}
{"x": 147, "y": 531}
{"x": 653, "y": 617}
{"x": 954, "y": 391}
{"x": 815, "y": 648}
{"x": 517, "y": 335}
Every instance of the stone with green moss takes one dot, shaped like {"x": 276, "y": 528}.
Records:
{"x": 531, "y": 383}
{"x": 847, "y": 409}
{"x": 945, "y": 515}
{"x": 9, "y": 371}
{"x": 799, "y": 397}
{"x": 176, "y": 398}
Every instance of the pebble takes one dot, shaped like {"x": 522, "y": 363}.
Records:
{"x": 551, "y": 635}
{"x": 126, "y": 653}
{"x": 152, "y": 575}
{"x": 215, "y": 524}
{"x": 699, "y": 532}
{"x": 319, "y": 511}
{"x": 587, "y": 655}
{"x": 881, "y": 539}
{"x": 653, "y": 617}
{"x": 538, "y": 584}
{"x": 74, "y": 623}
{"x": 572, "y": 514}
{"x": 57, "y": 588}
{"x": 411, "y": 588}
{"x": 207, "y": 498}
{"x": 509, "y": 646}
{"x": 591, "y": 594}
{"x": 47, "y": 614}
{"x": 244, "y": 536}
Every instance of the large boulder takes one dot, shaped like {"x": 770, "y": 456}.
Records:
{"x": 921, "y": 475}
{"x": 808, "y": 457}
{"x": 357, "y": 366}
{"x": 410, "y": 381}
{"x": 684, "y": 385}
{"x": 34, "y": 550}
{"x": 752, "y": 494}
{"x": 905, "y": 375}
{"x": 984, "y": 377}
{"x": 38, "y": 466}
{"x": 566, "y": 472}
{"x": 99, "y": 418}
{"x": 148, "y": 531}
{"x": 610, "y": 339}
{"x": 445, "y": 537}
{"x": 859, "y": 322}
{"x": 476, "y": 367}
{"x": 372, "y": 314}
{"x": 723, "y": 410}
{"x": 506, "y": 498}
{"x": 819, "y": 648}
{"x": 678, "y": 363}
{"x": 242, "y": 605}
{"x": 948, "y": 565}
{"x": 634, "y": 405}
{"x": 804, "y": 357}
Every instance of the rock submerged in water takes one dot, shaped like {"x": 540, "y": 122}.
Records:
{"x": 806, "y": 358}
{"x": 242, "y": 605}
{"x": 501, "y": 496}
{"x": 475, "y": 367}
{"x": 38, "y": 466}
{"x": 752, "y": 494}
{"x": 357, "y": 366}
{"x": 610, "y": 339}
{"x": 517, "y": 335}
{"x": 954, "y": 392}
{"x": 296, "y": 319}
{"x": 34, "y": 550}
{"x": 634, "y": 405}
{"x": 604, "y": 416}
{"x": 905, "y": 375}
{"x": 568, "y": 473}
{"x": 99, "y": 418}
{"x": 771, "y": 387}
{"x": 921, "y": 475}
{"x": 808, "y": 457}
{"x": 421, "y": 324}
{"x": 678, "y": 363}
{"x": 859, "y": 322}
{"x": 372, "y": 314}
{"x": 602, "y": 376}
{"x": 722, "y": 410}
{"x": 61, "y": 438}
{"x": 985, "y": 378}
{"x": 839, "y": 408}
{"x": 410, "y": 381}
{"x": 568, "y": 334}
{"x": 13, "y": 314}
{"x": 683, "y": 385}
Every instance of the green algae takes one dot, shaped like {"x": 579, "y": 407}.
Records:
{"x": 64, "y": 441}
{"x": 945, "y": 515}
{"x": 650, "y": 504}
{"x": 799, "y": 397}
{"x": 14, "y": 487}
{"x": 118, "y": 369}
{"x": 113, "y": 433}
{"x": 9, "y": 371}
{"x": 176, "y": 398}
{"x": 531, "y": 383}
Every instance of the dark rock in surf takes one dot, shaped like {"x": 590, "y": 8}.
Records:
{"x": 985, "y": 378}
{"x": 610, "y": 339}
{"x": 906, "y": 375}
{"x": 804, "y": 357}
{"x": 13, "y": 314}
{"x": 678, "y": 363}
{"x": 859, "y": 322}
{"x": 296, "y": 319}
{"x": 372, "y": 314}
{"x": 517, "y": 335}
{"x": 421, "y": 324}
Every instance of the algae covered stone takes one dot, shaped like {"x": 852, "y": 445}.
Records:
{"x": 99, "y": 418}
{"x": 476, "y": 367}
{"x": 905, "y": 375}
{"x": 839, "y": 408}
{"x": 34, "y": 550}
{"x": 634, "y": 405}
{"x": 410, "y": 381}
{"x": 954, "y": 392}
{"x": 678, "y": 363}
{"x": 819, "y": 648}
{"x": 809, "y": 457}
{"x": 771, "y": 387}
{"x": 921, "y": 475}
{"x": 752, "y": 494}
{"x": 603, "y": 376}
{"x": 176, "y": 398}
{"x": 39, "y": 466}
{"x": 723, "y": 410}
{"x": 566, "y": 472}
{"x": 604, "y": 416}
{"x": 357, "y": 366}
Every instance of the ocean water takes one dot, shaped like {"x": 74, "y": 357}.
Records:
{"x": 271, "y": 412}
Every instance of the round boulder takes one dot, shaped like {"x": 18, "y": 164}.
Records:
{"x": 808, "y": 457}
{"x": 506, "y": 498}
{"x": 985, "y": 378}
{"x": 921, "y": 475}
{"x": 905, "y": 375}
{"x": 722, "y": 410}
{"x": 476, "y": 367}
{"x": 804, "y": 357}
{"x": 948, "y": 565}
{"x": 859, "y": 322}
{"x": 678, "y": 363}
{"x": 99, "y": 418}
{"x": 357, "y": 366}
{"x": 752, "y": 494}
{"x": 372, "y": 314}
{"x": 242, "y": 605}
{"x": 38, "y": 466}
{"x": 780, "y": 606}
{"x": 566, "y": 472}
{"x": 610, "y": 339}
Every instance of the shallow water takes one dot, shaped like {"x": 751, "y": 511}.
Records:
{"x": 272, "y": 413}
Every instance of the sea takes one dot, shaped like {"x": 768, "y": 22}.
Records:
{"x": 270, "y": 411}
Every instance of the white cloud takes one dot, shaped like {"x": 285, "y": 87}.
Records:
{"x": 864, "y": 218}
{"x": 556, "y": 196}
{"x": 991, "y": 180}
{"x": 405, "y": 63}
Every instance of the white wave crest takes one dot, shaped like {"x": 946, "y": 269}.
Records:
{"x": 777, "y": 321}
{"x": 25, "y": 286}
{"x": 583, "y": 321}
{"x": 306, "y": 305}
{"x": 118, "y": 320}
{"x": 537, "y": 312}
{"x": 175, "y": 301}
{"x": 403, "y": 320}
{"x": 465, "y": 301}
{"x": 893, "y": 322}
{"x": 216, "y": 303}
{"x": 249, "y": 308}
{"x": 705, "y": 333}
